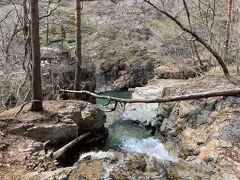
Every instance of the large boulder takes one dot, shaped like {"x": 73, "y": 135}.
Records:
{"x": 108, "y": 165}
{"x": 60, "y": 121}
{"x": 142, "y": 112}
{"x": 92, "y": 118}
{"x": 146, "y": 112}
{"x": 87, "y": 116}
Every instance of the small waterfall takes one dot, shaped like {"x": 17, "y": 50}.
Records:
{"x": 151, "y": 147}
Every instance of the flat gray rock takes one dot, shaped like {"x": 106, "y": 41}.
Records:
{"x": 54, "y": 133}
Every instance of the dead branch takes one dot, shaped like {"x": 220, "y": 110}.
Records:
{"x": 6, "y": 16}
{"x": 21, "y": 109}
{"x": 68, "y": 146}
{"x": 24, "y": 104}
{"x": 51, "y": 11}
{"x": 208, "y": 94}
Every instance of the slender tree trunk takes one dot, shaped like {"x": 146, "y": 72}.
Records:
{"x": 197, "y": 53}
{"x": 78, "y": 56}
{"x": 25, "y": 33}
{"x": 27, "y": 38}
{"x": 63, "y": 33}
{"x": 37, "y": 95}
{"x": 47, "y": 23}
{"x": 47, "y": 33}
{"x": 228, "y": 27}
{"x": 25, "y": 19}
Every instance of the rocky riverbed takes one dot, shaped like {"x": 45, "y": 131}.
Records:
{"x": 197, "y": 139}
{"x": 119, "y": 165}
{"x": 203, "y": 133}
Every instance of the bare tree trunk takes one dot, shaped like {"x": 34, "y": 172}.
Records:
{"x": 228, "y": 27}
{"x": 47, "y": 32}
{"x": 63, "y": 33}
{"x": 37, "y": 95}
{"x": 25, "y": 19}
{"x": 197, "y": 53}
{"x": 27, "y": 38}
{"x": 78, "y": 56}
{"x": 25, "y": 33}
{"x": 47, "y": 24}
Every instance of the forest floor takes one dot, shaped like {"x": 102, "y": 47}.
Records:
{"x": 13, "y": 158}
{"x": 21, "y": 133}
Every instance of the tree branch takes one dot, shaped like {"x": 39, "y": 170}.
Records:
{"x": 208, "y": 94}
{"x": 51, "y": 11}
{"x": 5, "y": 16}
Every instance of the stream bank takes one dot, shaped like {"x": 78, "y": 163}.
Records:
{"x": 45, "y": 132}
{"x": 204, "y": 134}
{"x": 30, "y": 139}
{"x": 197, "y": 139}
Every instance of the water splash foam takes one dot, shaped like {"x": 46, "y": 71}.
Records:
{"x": 97, "y": 155}
{"x": 151, "y": 147}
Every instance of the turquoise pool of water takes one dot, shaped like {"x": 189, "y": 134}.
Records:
{"x": 118, "y": 94}
{"x": 118, "y": 128}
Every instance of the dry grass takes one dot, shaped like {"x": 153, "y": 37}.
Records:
{"x": 50, "y": 108}
{"x": 218, "y": 70}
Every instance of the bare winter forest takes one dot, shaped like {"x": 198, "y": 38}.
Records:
{"x": 119, "y": 89}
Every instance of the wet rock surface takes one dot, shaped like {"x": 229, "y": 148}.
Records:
{"x": 203, "y": 133}
{"x": 112, "y": 165}
{"x": 121, "y": 166}
{"x": 146, "y": 113}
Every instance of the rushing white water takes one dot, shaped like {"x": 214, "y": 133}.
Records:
{"x": 151, "y": 147}
{"x": 97, "y": 155}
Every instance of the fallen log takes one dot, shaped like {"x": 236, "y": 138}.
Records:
{"x": 208, "y": 94}
{"x": 68, "y": 146}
